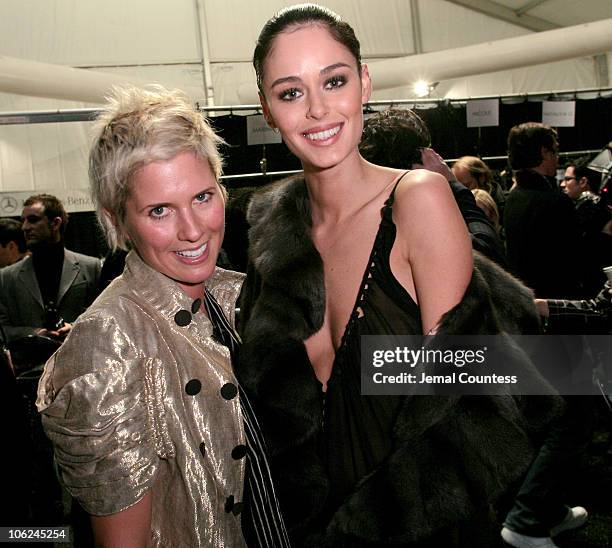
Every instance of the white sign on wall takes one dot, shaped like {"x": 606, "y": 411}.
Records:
{"x": 559, "y": 113}
{"x": 482, "y": 113}
{"x": 258, "y": 132}
{"x": 11, "y": 203}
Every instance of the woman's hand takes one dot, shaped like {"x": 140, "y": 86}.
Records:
{"x": 432, "y": 161}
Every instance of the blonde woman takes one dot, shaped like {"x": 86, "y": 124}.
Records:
{"x": 152, "y": 434}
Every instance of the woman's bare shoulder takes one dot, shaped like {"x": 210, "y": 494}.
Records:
{"x": 422, "y": 182}
{"x": 421, "y": 193}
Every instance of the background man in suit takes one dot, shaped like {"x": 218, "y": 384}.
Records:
{"x": 582, "y": 184}
{"x": 542, "y": 236}
{"x": 42, "y": 294}
{"x": 543, "y": 249}
{"x": 45, "y": 292}
{"x": 12, "y": 243}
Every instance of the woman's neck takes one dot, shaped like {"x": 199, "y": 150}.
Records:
{"x": 337, "y": 192}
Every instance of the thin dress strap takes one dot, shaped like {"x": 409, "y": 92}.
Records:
{"x": 388, "y": 207}
{"x": 358, "y": 429}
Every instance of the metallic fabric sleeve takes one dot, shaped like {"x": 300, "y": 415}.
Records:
{"x": 99, "y": 419}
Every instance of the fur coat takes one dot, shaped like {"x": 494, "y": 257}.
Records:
{"x": 452, "y": 455}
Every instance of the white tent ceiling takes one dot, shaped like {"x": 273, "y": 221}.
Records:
{"x": 199, "y": 44}
{"x": 205, "y": 46}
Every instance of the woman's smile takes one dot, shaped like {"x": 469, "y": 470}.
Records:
{"x": 323, "y": 135}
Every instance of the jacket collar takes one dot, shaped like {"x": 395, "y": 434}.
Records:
{"x": 532, "y": 180}
{"x": 168, "y": 299}
{"x": 70, "y": 270}
{"x": 158, "y": 290}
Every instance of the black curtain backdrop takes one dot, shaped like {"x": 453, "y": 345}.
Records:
{"x": 450, "y": 137}
{"x": 84, "y": 235}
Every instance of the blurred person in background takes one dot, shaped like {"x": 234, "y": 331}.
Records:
{"x": 544, "y": 250}
{"x": 44, "y": 293}
{"x": 473, "y": 173}
{"x": 543, "y": 243}
{"x": 486, "y": 202}
{"x": 12, "y": 242}
{"x": 582, "y": 184}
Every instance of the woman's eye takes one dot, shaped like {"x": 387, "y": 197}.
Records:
{"x": 290, "y": 94}
{"x": 158, "y": 211}
{"x": 335, "y": 82}
{"x": 202, "y": 197}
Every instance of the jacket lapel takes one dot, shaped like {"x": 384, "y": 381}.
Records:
{"x": 27, "y": 277}
{"x": 70, "y": 270}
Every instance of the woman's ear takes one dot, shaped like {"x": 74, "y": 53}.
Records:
{"x": 266, "y": 111}
{"x": 366, "y": 84}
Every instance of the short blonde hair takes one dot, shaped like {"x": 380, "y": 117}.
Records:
{"x": 138, "y": 127}
{"x": 486, "y": 202}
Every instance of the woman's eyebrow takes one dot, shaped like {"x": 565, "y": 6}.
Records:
{"x": 334, "y": 67}
{"x": 325, "y": 70}
{"x": 284, "y": 80}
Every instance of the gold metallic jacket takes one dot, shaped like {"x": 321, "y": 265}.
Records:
{"x": 141, "y": 398}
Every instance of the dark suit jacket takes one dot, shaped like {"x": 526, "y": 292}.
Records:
{"x": 21, "y": 304}
{"x": 542, "y": 238}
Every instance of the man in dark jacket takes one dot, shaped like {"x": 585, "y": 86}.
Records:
{"x": 542, "y": 236}
{"x": 543, "y": 247}
{"x": 44, "y": 293}
{"x": 582, "y": 184}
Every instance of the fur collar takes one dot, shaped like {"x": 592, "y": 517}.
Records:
{"x": 283, "y": 254}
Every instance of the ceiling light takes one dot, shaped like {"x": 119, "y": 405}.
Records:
{"x": 422, "y": 88}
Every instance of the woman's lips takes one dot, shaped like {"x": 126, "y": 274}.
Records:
{"x": 193, "y": 254}
{"x": 317, "y": 135}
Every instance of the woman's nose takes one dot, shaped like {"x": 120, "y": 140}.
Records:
{"x": 317, "y": 107}
{"x": 189, "y": 227}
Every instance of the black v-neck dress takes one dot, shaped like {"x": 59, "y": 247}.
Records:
{"x": 357, "y": 430}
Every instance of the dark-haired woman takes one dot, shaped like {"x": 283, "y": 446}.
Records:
{"x": 348, "y": 249}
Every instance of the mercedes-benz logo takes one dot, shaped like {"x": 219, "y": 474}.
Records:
{"x": 8, "y": 205}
